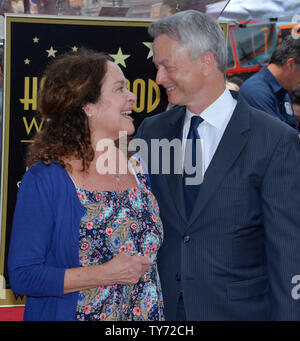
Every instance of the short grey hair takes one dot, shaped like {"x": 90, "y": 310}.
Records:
{"x": 196, "y": 31}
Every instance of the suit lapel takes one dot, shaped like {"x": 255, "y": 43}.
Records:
{"x": 230, "y": 147}
{"x": 175, "y": 180}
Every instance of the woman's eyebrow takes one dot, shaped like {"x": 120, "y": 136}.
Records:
{"x": 120, "y": 82}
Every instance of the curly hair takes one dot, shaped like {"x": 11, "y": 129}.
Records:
{"x": 69, "y": 82}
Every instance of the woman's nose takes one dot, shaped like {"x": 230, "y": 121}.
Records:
{"x": 132, "y": 97}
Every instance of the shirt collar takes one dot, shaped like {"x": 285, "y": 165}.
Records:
{"x": 217, "y": 113}
{"x": 275, "y": 85}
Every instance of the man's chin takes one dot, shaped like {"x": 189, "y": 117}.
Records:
{"x": 172, "y": 102}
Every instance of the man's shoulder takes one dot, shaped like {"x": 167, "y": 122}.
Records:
{"x": 255, "y": 83}
{"x": 258, "y": 92}
{"x": 270, "y": 125}
{"x": 261, "y": 120}
{"x": 158, "y": 124}
{"x": 165, "y": 116}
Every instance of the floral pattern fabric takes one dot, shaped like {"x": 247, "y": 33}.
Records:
{"x": 121, "y": 221}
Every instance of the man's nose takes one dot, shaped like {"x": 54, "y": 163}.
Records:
{"x": 160, "y": 76}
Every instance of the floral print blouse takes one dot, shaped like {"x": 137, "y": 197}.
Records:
{"x": 121, "y": 221}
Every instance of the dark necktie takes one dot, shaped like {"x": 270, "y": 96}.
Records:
{"x": 191, "y": 191}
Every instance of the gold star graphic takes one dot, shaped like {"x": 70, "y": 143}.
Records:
{"x": 36, "y": 39}
{"x": 51, "y": 52}
{"x": 74, "y": 48}
{"x": 149, "y": 45}
{"x": 26, "y": 61}
{"x": 120, "y": 58}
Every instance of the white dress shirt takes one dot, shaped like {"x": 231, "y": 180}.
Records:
{"x": 211, "y": 130}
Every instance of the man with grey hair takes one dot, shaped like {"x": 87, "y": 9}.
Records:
{"x": 231, "y": 245}
{"x": 268, "y": 89}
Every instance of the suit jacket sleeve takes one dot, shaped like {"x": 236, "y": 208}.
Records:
{"x": 280, "y": 192}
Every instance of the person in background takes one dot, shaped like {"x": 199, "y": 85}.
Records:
{"x": 295, "y": 98}
{"x": 232, "y": 86}
{"x": 231, "y": 246}
{"x": 236, "y": 80}
{"x": 268, "y": 89}
{"x": 84, "y": 241}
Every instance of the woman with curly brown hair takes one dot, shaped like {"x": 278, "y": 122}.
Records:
{"x": 84, "y": 240}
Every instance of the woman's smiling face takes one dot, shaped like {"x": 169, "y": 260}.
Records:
{"x": 110, "y": 114}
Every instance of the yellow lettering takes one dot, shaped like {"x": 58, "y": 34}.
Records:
{"x": 150, "y": 104}
{"x": 139, "y": 89}
{"x": 32, "y": 123}
{"x": 27, "y": 100}
{"x": 139, "y": 83}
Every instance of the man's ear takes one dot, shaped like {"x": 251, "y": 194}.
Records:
{"x": 291, "y": 64}
{"x": 208, "y": 61}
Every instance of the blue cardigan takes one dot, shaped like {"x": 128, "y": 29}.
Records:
{"x": 44, "y": 242}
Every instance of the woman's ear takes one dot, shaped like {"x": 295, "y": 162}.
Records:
{"x": 87, "y": 108}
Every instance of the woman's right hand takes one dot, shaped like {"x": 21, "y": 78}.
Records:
{"x": 121, "y": 269}
{"x": 125, "y": 268}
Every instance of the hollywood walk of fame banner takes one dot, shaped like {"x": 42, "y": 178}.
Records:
{"x": 30, "y": 43}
